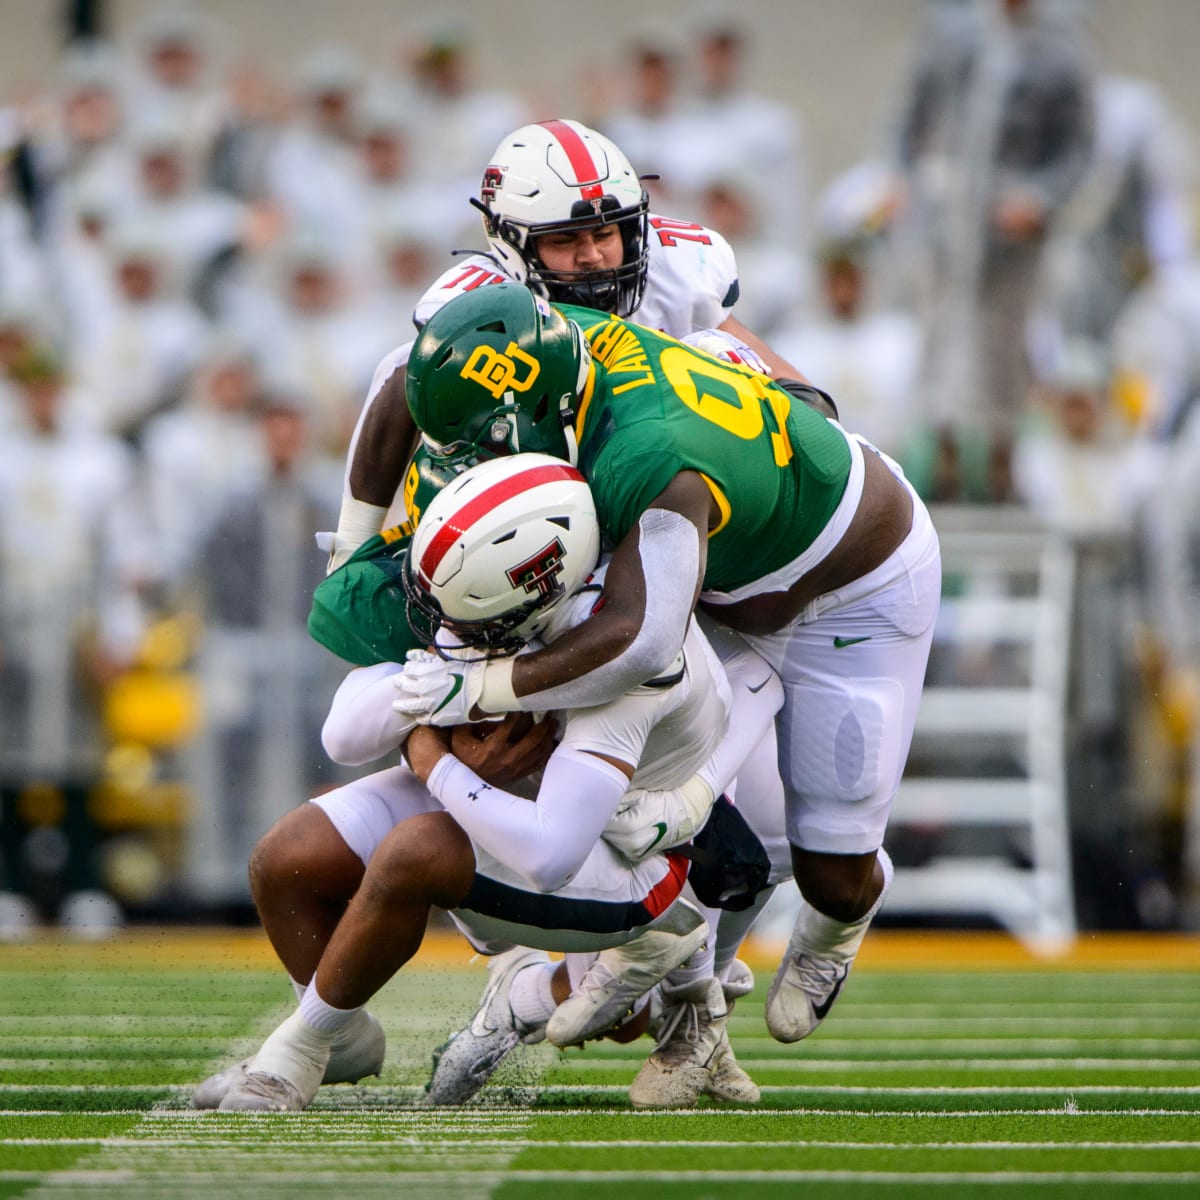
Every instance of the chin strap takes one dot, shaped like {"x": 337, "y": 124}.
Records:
{"x": 572, "y": 445}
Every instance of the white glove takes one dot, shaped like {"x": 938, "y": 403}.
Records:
{"x": 437, "y": 691}
{"x": 727, "y": 348}
{"x": 650, "y": 822}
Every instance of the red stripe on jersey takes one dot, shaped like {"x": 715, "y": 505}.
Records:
{"x": 483, "y": 504}
{"x": 667, "y": 889}
{"x": 577, "y": 155}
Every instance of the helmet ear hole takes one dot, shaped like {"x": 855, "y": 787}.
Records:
{"x": 511, "y": 234}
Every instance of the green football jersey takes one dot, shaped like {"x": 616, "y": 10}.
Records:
{"x": 359, "y": 611}
{"x": 776, "y": 467}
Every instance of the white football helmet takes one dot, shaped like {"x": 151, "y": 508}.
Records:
{"x": 561, "y": 174}
{"x": 496, "y": 551}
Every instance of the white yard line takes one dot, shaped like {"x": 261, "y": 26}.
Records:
{"x": 1158, "y": 1046}
{"x": 364, "y": 1094}
{"x": 158, "y": 1155}
{"x": 865, "y": 1066}
{"x": 493, "y": 1146}
{"x": 475, "y": 1184}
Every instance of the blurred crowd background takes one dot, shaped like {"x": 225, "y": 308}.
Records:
{"x": 207, "y": 242}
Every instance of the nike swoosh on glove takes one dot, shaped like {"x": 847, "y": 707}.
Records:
{"x": 648, "y": 822}
{"x": 437, "y": 691}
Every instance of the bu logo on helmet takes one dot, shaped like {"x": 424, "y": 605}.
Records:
{"x": 539, "y": 573}
{"x": 498, "y": 372}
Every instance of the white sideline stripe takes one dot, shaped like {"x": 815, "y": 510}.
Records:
{"x": 935, "y": 1016}
{"x": 390, "y": 1117}
{"x": 809, "y": 1066}
{"x": 203, "y": 1046}
{"x": 843, "y": 1066}
{"x": 971, "y": 1045}
{"x": 1002, "y": 1009}
{"x": 1020, "y": 1024}
{"x": 491, "y": 1178}
{"x": 365, "y": 1092}
{"x": 479, "y": 1145}
{"x": 485, "y": 1119}
{"x": 182, "y": 1064}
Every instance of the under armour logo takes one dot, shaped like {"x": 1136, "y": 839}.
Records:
{"x": 499, "y": 373}
{"x": 485, "y": 787}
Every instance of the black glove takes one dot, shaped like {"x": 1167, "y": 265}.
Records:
{"x": 729, "y": 865}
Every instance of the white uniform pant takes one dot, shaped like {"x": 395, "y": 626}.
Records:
{"x": 853, "y": 666}
{"x": 607, "y": 903}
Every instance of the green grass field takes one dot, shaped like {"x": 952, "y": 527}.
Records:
{"x": 945, "y": 1077}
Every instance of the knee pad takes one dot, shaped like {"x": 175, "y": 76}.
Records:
{"x": 841, "y": 738}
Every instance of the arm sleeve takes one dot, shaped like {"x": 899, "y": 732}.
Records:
{"x": 755, "y": 703}
{"x": 669, "y": 550}
{"x": 362, "y": 725}
{"x": 546, "y": 840}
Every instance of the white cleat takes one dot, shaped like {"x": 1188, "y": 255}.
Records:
{"x": 729, "y": 1082}
{"x": 285, "y": 1073}
{"x": 803, "y": 992}
{"x": 215, "y": 1088}
{"x": 260, "y": 1092}
{"x": 621, "y": 976}
{"x": 468, "y": 1059}
{"x": 359, "y": 1051}
{"x": 693, "y": 1057}
{"x": 819, "y": 956}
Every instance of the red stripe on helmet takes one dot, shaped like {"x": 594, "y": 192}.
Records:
{"x": 579, "y": 157}
{"x": 474, "y": 510}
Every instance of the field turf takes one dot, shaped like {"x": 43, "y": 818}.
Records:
{"x": 954, "y": 1065}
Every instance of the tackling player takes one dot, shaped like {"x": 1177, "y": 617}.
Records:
{"x": 713, "y": 484}
{"x": 566, "y": 214}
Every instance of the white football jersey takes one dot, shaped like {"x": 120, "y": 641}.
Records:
{"x": 671, "y": 731}
{"x": 669, "y": 728}
{"x": 691, "y": 281}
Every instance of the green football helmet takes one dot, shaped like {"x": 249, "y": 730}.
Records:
{"x": 497, "y": 371}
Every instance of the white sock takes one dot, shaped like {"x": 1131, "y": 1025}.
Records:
{"x": 346, "y": 1034}
{"x": 530, "y": 994}
{"x": 683, "y": 981}
{"x": 731, "y": 930}
{"x": 322, "y": 1016}
{"x": 841, "y": 939}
